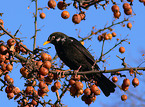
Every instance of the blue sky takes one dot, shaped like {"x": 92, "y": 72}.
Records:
{"x": 16, "y": 14}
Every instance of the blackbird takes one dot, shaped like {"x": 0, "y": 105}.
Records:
{"x": 77, "y": 57}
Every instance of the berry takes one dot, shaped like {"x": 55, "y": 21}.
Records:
{"x": 114, "y": 79}
{"x": 51, "y": 4}
{"x": 135, "y": 82}
{"x": 115, "y": 8}
{"x": 61, "y": 5}
{"x": 121, "y": 49}
{"x": 126, "y": 6}
{"x": 76, "y": 18}
{"x": 78, "y": 85}
{"x": 129, "y": 25}
{"x": 87, "y": 91}
{"x": 11, "y": 42}
{"x": 113, "y": 34}
{"x": 126, "y": 82}
{"x": 117, "y": 14}
{"x": 43, "y": 71}
{"x": 65, "y": 15}
{"x": 42, "y": 15}
{"x": 124, "y": 97}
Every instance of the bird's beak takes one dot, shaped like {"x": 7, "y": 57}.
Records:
{"x": 46, "y": 42}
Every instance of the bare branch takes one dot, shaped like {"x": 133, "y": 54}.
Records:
{"x": 101, "y": 71}
{"x": 14, "y": 38}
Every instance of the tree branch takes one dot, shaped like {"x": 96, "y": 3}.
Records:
{"x": 6, "y": 32}
{"x": 101, "y": 71}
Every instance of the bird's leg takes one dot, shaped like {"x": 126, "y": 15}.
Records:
{"x": 93, "y": 65}
{"x": 75, "y": 71}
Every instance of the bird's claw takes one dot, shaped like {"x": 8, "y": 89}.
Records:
{"x": 75, "y": 71}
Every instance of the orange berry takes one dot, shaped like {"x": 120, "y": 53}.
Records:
{"x": 124, "y": 88}
{"x": 82, "y": 16}
{"x": 87, "y": 91}
{"x": 16, "y": 90}
{"x": 106, "y": 37}
{"x": 76, "y": 18}
{"x": 11, "y": 42}
{"x": 29, "y": 90}
{"x": 78, "y": 85}
{"x": 42, "y": 15}
{"x": 45, "y": 57}
{"x": 109, "y": 35}
{"x": 79, "y": 92}
{"x": 61, "y": 5}
{"x": 57, "y": 85}
{"x": 65, "y": 15}
{"x": 3, "y": 49}
{"x": 128, "y": 12}
{"x": 129, "y": 25}
{"x": 51, "y": 4}
{"x": 2, "y": 58}
{"x": 41, "y": 85}
{"x": 24, "y": 72}
{"x": 43, "y": 71}
{"x": 9, "y": 89}
{"x": 100, "y": 38}
{"x": 126, "y": 82}
{"x": 39, "y": 63}
{"x": 71, "y": 82}
{"x": 126, "y": 6}
{"x": 135, "y": 82}
{"x": 115, "y": 8}
{"x": 9, "y": 67}
{"x": 113, "y": 34}
{"x": 11, "y": 81}
{"x": 7, "y": 77}
{"x": 117, "y": 14}
{"x": 121, "y": 49}
{"x": 114, "y": 79}
{"x": 95, "y": 90}
{"x": 1, "y": 22}
{"x": 47, "y": 64}
{"x": 124, "y": 97}
{"x": 10, "y": 95}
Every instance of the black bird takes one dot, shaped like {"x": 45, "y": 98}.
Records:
{"x": 75, "y": 56}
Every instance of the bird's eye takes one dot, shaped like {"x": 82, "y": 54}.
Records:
{"x": 53, "y": 37}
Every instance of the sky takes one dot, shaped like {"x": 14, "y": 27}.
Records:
{"x": 16, "y": 13}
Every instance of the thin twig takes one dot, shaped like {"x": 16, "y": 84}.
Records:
{"x": 36, "y": 12}
{"x": 6, "y": 32}
{"x": 114, "y": 46}
{"x": 62, "y": 94}
{"x": 102, "y": 50}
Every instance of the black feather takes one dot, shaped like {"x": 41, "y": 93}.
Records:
{"x": 74, "y": 55}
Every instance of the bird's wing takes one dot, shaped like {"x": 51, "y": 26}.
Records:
{"x": 84, "y": 51}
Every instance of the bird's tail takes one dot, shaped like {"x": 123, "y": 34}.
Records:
{"x": 105, "y": 84}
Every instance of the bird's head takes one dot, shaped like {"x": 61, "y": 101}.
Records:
{"x": 56, "y": 38}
